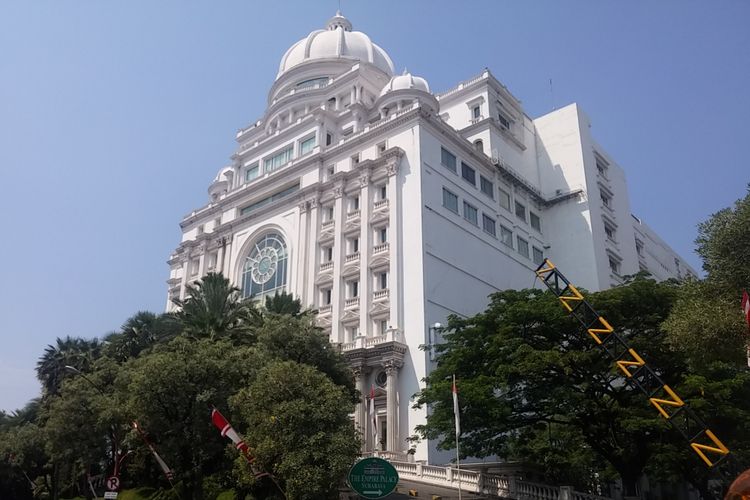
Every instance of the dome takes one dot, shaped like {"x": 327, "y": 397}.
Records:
{"x": 335, "y": 42}
{"x": 405, "y": 81}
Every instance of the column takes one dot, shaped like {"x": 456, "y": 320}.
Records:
{"x": 339, "y": 254}
{"x": 221, "y": 245}
{"x": 185, "y": 275}
{"x": 394, "y": 206}
{"x": 301, "y": 260}
{"x": 365, "y": 250}
{"x": 313, "y": 223}
{"x": 392, "y": 413}
{"x": 226, "y": 266}
{"x": 360, "y": 411}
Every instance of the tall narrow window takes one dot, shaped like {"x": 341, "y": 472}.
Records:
{"x": 307, "y": 145}
{"x": 382, "y": 281}
{"x": 476, "y": 112}
{"x": 486, "y": 186}
{"x": 448, "y": 160}
{"x": 535, "y": 222}
{"x": 521, "y": 211}
{"x": 537, "y": 255}
{"x": 504, "y": 199}
{"x": 523, "y": 246}
{"x": 251, "y": 172}
{"x": 469, "y": 174}
{"x": 488, "y": 224}
{"x": 279, "y": 159}
{"x": 450, "y": 201}
{"x": 470, "y": 213}
{"x": 504, "y": 122}
{"x": 506, "y": 236}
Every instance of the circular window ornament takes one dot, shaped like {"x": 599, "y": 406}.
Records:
{"x": 381, "y": 379}
{"x": 263, "y": 264}
{"x": 266, "y": 266}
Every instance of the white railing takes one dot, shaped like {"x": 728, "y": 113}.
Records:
{"x": 353, "y": 302}
{"x": 474, "y": 121}
{"x": 380, "y": 204}
{"x": 326, "y": 265}
{"x": 352, "y": 257}
{"x": 327, "y": 224}
{"x": 383, "y": 247}
{"x": 462, "y": 85}
{"x": 363, "y": 342}
{"x": 380, "y": 294}
{"x": 353, "y": 214}
{"x": 477, "y": 482}
{"x": 326, "y": 309}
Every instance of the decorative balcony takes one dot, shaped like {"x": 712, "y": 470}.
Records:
{"x": 381, "y": 294}
{"x": 354, "y": 214}
{"x": 325, "y": 266}
{"x": 352, "y": 257}
{"x": 380, "y": 205}
{"x": 382, "y": 247}
{"x": 325, "y": 310}
{"x": 327, "y": 224}
{"x": 351, "y": 303}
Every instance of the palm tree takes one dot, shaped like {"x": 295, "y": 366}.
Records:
{"x": 70, "y": 351}
{"x": 139, "y": 332}
{"x": 283, "y": 303}
{"x": 214, "y": 308}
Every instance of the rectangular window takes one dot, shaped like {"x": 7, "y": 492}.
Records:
{"x": 383, "y": 192}
{"x": 354, "y": 204}
{"x": 279, "y": 159}
{"x": 327, "y": 213}
{"x": 353, "y": 289}
{"x": 606, "y": 200}
{"x": 614, "y": 265}
{"x": 469, "y": 174}
{"x": 270, "y": 199}
{"x": 194, "y": 265}
{"x": 353, "y": 245}
{"x": 538, "y": 255}
{"x": 325, "y": 297}
{"x": 523, "y": 246}
{"x": 382, "y": 235}
{"x": 355, "y": 159}
{"x": 383, "y": 326}
{"x": 213, "y": 257}
{"x": 535, "y": 222}
{"x": 521, "y": 211}
{"x": 381, "y": 148}
{"x": 448, "y": 160}
{"x": 486, "y": 186}
{"x": 504, "y": 122}
{"x": 450, "y": 201}
{"x": 506, "y": 236}
{"x": 609, "y": 231}
{"x": 476, "y": 112}
{"x": 383, "y": 281}
{"x": 307, "y": 145}
{"x": 639, "y": 247}
{"x": 470, "y": 213}
{"x": 488, "y": 224}
{"x": 329, "y": 138}
{"x": 327, "y": 254}
{"x": 201, "y": 229}
{"x": 504, "y": 199}
{"x": 252, "y": 172}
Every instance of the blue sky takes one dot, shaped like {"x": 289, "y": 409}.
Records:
{"x": 115, "y": 116}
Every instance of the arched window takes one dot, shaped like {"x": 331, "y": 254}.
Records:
{"x": 265, "y": 270}
{"x": 479, "y": 145}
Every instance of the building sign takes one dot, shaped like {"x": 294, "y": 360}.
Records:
{"x": 373, "y": 478}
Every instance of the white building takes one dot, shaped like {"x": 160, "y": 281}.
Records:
{"x": 387, "y": 207}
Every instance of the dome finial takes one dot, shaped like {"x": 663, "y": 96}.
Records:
{"x": 338, "y": 21}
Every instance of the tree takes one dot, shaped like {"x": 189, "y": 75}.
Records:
{"x": 214, "y": 309}
{"x": 724, "y": 245}
{"x": 522, "y": 366}
{"x": 297, "y": 421}
{"x": 140, "y": 332}
{"x": 76, "y": 352}
{"x": 283, "y": 303}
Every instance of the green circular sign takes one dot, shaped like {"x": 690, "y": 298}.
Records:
{"x": 373, "y": 477}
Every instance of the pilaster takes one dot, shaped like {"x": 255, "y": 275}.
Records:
{"x": 396, "y": 281}
{"x": 339, "y": 252}
{"x": 365, "y": 252}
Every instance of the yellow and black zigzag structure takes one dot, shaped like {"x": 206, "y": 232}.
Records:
{"x": 669, "y": 405}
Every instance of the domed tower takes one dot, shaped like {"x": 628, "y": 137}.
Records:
{"x": 403, "y": 90}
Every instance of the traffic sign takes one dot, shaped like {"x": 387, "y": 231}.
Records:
{"x": 373, "y": 477}
{"x": 110, "y": 494}
{"x": 113, "y": 483}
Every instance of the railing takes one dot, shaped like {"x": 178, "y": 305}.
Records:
{"x": 383, "y": 247}
{"x": 462, "y": 85}
{"x": 476, "y": 120}
{"x": 380, "y": 294}
{"x": 353, "y": 302}
{"x": 326, "y": 309}
{"x": 477, "y": 482}
{"x": 327, "y": 224}
{"x": 380, "y": 204}
{"x": 326, "y": 265}
{"x": 352, "y": 257}
{"x": 363, "y": 342}
{"x": 353, "y": 214}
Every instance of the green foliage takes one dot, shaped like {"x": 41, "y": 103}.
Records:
{"x": 297, "y": 420}
{"x": 283, "y": 303}
{"x": 76, "y": 352}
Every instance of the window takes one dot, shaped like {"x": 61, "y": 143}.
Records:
{"x": 353, "y": 245}
{"x": 606, "y": 200}
{"x": 352, "y": 289}
{"x": 476, "y": 112}
{"x": 382, "y": 281}
{"x": 450, "y": 201}
{"x": 201, "y": 229}
{"x": 521, "y": 211}
{"x": 614, "y": 265}
{"x": 265, "y": 268}
{"x": 639, "y": 247}
{"x": 469, "y": 174}
{"x": 330, "y": 170}
{"x": 381, "y": 148}
{"x": 479, "y": 145}
{"x": 194, "y": 265}
{"x": 313, "y": 83}
{"x": 213, "y": 257}
{"x": 383, "y": 192}
{"x": 448, "y": 160}
{"x": 535, "y": 222}
{"x": 382, "y": 235}
{"x": 506, "y": 236}
{"x": 488, "y": 224}
{"x": 327, "y": 254}
{"x": 217, "y": 223}
{"x": 251, "y": 172}
{"x": 307, "y": 145}
{"x": 523, "y": 246}
{"x": 327, "y": 213}
{"x": 329, "y": 138}
{"x": 470, "y": 213}
{"x": 354, "y": 204}
{"x": 486, "y": 186}
{"x": 326, "y": 296}
{"x": 279, "y": 159}
{"x": 538, "y": 255}
{"x": 609, "y": 231}
{"x": 269, "y": 199}
{"x": 383, "y": 326}
{"x": 504, "y": 122}
{"x": 352, "y": 332}
{"x": 601, "y": 166}
{"x": 355, "y": 159}
{"x": 504, "y": 199}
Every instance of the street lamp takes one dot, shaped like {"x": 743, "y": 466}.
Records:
{"x": 116, "y": 458}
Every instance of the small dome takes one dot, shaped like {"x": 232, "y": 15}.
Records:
{"x": 406, "y": 81}
{"x": 336, "y": 41}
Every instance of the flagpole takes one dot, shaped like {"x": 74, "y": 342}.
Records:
{"x": 458, "y": 431}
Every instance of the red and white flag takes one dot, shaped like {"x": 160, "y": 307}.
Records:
{"x": 746, "y": 306}
{"x": 456, "y": 414}
{"x": 168, "y": 473}
{"x": 227, "y": 430}
{"x": 373, "y": 418}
